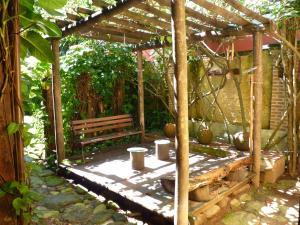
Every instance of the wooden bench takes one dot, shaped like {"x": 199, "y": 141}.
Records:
{"x": 102, "y": 129}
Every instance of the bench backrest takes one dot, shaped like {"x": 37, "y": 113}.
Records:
{"x": 101, "y": 124}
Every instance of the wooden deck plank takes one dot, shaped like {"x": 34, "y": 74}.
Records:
{"x": 144, "y": 187}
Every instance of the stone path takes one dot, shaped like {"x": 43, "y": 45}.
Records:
{"x": 62, "y": 203}
{"x": 272, "y": 204}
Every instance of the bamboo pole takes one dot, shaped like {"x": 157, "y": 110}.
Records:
{"x": 257, "y": 83}
{"x": 141, "y": 93}
{"x": 179, "y": 46}
{"x": 56, "y": 92}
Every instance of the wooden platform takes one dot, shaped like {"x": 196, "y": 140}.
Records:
{"x": 112, "y": 171}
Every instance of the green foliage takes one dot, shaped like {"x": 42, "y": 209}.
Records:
{"x": 34, "y": 28}
{"x": 23, "y": 197}
{"x": 27, "y": 136}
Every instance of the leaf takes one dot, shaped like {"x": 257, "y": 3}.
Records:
{"x": 50, "y": 28}
{"x": 169, "y": 39}
{"x": 28, "y": 4}
{"x": 19, "y": 204}
{"x": 37, "y": 46}
{"x": 2, "y": 193}
{"x": 12, "y": 128}
{"x": 34, "y": 196}
{"x": 54, "y": 4}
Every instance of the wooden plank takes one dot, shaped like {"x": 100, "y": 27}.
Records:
{"x": 105, "y": 14}
{"x": 182, "y": 132}
{"x": 234, "y": 18}
{"x": 56, "y": 89}
{"x": 99, "y": 124}
{"x": 85, "y": 11}
{"x": 99, "y": 129}
{"x": 109, "y": 137}
{"x": 92, "y": 120}
{"x": 236, "y": 4}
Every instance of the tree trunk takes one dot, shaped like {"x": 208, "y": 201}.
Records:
{"x": 118, "y": 96}
{"x": 11, "y": 157}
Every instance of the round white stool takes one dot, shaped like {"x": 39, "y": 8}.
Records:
{"x": 137, "y": 157}
{"x": 162, "y": 148}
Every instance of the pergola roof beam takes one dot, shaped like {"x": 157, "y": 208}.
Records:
{"x": 105, "y": 14}
{"x": 138, "y": 26}
{"x": 237, "y": 5}
{"x": 74, "y": 17}
{"x": 100, "y": 3}
{"x": 147, "y": 19}
{"x": 234, "y": 18}
{"x": 111, "y": 38}
{"x": 85, "y": 11}
{"x": 122, "y": 31}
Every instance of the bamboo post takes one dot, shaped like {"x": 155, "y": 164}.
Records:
{"x": 182, "y": 133}
{"x": 257, "y": 82}
{"x": 141, "y": 93}
{"x": 56, "y": 92}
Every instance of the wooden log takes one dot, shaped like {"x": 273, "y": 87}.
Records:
{"x": 236, "y": 4}
{"x": 56, "y": 89}
{"x": 85, "y": 11}
{"x": 141, "y": 94}
{"x": 234, "y": 18}
{"x": 105, "y": 14}
{"x": 257, "y": 105}
{"x": 182, "y": 132}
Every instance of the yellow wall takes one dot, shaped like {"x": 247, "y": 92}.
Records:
{"x": 227, "y": 97}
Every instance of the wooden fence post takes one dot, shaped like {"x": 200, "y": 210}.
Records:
{"x": 182, "y": 133}
{"x": 257, "y": 83}
{"x": 141, "y": 93}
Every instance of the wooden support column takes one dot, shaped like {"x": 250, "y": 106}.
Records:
{"x": 256, "y": 110}
{"x": 56, "y": 92}
{"x": 179, "y": 46}
{"x": 141, "y": 93}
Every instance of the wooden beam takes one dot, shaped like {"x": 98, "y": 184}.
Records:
{"x": 167, "y": 17}
{"x": 257, "y": 84}
{"x": 105, "y": 14}
{"x": 141, "y": 94}
{"x": 217, "y": 10}
{"x": 74, "y": 17}
{"x": 62, "y": 23}
{"x": 100, "y": 3}
{"x": 123, "y": 31}
{"x": 237, "y": 5}
{"x": 148, "y": 20}
{"x": 85, "y": 11}
{"x": 196, "y": 15}
{"x": 179, "y": 46}
{"x": 137, "y": 26}
{"x": 111, "y": 38}
{"x": 56, "y": 92}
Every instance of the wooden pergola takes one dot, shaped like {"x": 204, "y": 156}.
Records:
{"x": 143, "y": 23}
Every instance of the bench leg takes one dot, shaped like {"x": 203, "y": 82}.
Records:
{"x": 82, "y": 154}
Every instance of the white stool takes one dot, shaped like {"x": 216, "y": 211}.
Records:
{"x": 137, "y": 157}
{"x": 162, "y": 148}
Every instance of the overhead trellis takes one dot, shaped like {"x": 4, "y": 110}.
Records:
{"x": 146, "y": 23}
